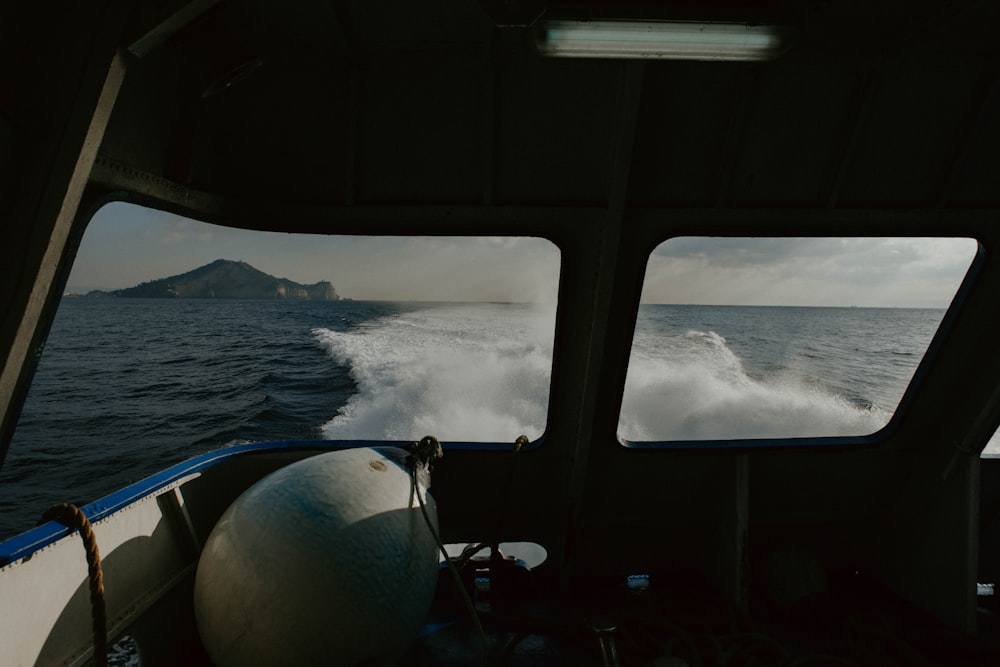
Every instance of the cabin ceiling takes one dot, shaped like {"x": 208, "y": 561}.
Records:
{"x": 884, "y": 104}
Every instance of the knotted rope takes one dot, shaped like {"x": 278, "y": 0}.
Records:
{"x": 71, "y": 516}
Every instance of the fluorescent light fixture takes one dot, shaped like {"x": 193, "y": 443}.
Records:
{"x": 658, "y": 39}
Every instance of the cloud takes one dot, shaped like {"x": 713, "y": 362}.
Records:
{"x": 127, "y": 244}
{"x": 179, "y": 231}
{"x": 725, "y": 251}
{"x": 451, "y": 268}
{"x": 913, "y": 272}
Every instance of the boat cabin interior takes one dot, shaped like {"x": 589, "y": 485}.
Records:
{"x": 827, "y": 119}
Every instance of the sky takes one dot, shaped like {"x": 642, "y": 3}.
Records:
{"x": 125, "y": 245}
{"x": 863, "y": 272}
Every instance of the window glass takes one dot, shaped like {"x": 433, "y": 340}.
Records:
{"x": 746, "y": 338}
{"x": 176, "y": 337}
{"x": 992, "y": 448}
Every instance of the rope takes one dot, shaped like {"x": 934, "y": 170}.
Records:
{"x": 71, "y": 516}
{"x": 505, "y": 502}
{"x": 422, "y": 448}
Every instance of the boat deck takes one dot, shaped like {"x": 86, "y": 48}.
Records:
{"x": 676, "y": 624}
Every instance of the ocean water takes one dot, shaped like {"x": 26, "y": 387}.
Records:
{"x": 724, "y": 372}
{"x": 126, "y": 387}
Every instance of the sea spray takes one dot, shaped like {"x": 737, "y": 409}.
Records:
{"x": 711, "y": 397}
{"x": 476, "y": 373}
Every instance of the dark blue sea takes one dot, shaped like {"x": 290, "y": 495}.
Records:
{"x": 126, "y": 387}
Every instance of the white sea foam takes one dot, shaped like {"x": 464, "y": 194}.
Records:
{"x": 694, "y": 387}
{"x": 462, "y": 373}
{"x": 481, "y": 373}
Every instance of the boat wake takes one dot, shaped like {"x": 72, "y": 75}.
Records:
{"x": 480, "y": 373}
{"x": 465, "y": 373}
{"x": 694, "y": 387}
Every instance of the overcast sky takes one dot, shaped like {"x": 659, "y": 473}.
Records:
{"x": 887, "y": 272}
{"x": 126, "y": 245}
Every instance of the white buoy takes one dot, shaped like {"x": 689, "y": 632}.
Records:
{"x": 326, "y": 561}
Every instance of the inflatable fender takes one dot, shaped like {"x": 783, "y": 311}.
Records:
{"x": 326, "y": 561}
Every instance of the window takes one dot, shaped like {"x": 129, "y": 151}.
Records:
{"x": 992, "y": 449}
{"x": 762, "y": 338}
{"x": 176, "y": 337}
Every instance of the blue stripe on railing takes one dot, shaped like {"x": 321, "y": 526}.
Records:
{"x": 45, "y": 534}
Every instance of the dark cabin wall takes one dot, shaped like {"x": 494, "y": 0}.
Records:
{"x": 60, "y": 75}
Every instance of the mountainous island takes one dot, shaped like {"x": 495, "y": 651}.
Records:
{"x": 226, "y": 279}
